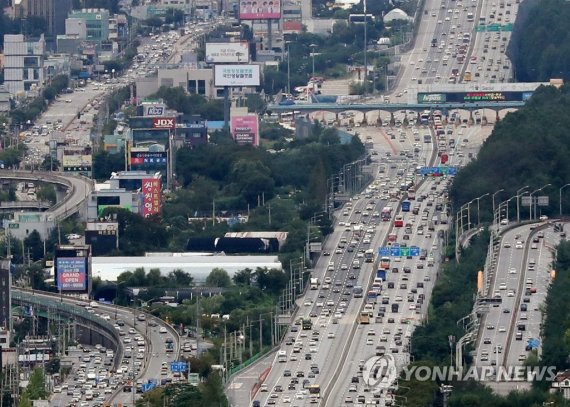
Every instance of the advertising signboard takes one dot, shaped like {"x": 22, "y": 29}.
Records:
{"x": 237, "y": 75}
{"x": 260, "y": 9}
{"x": 151, "y": 190}
{"x": 164, "y": 123}
{"x": 227, "y": 52}
{"x": 148, "y": 159}
{"x": 71, "y": 273}
{"x": 245, "y": 129}
{"x": 77, "y": 163}
{"x": 154, "y": 109}
{"x": 431, "y": 98}
{"x": 473, "y": 97}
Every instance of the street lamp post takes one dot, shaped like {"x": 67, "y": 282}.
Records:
{"x": 365, "y": 50}
{"x": 469, "y": 212}
{"x": 495, "y": 193}
{"x": 560, "y": 201}
{"x": 287, "y": 43}
{"x": 518, "y": 203}
{"x": 313, "y": 46}
{"x": 478, "y": 199}
{"x": 530, "y": 205}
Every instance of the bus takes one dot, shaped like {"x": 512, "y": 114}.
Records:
{"x": 392, "y": 237}
{"x": 424, "y": 117}
{"x": 437, "y": 115}
{"x": 307, "y": 324}
{"x": 372, "y": 296}
{"x": 357, "y": 291}
{"x": 411, "y": 193}
{"x": 314, "y": 390}
{"x": 405, "y": 206}
{"x": 364, "y": 317}
{"x": 467, "y": 76}
{"x": 369, "y": 256}
{"x": 282, "y": 356}
{"x": 386, "y": 214}
{"x": 385, "y": 262}
{"x": 399, "y": 221}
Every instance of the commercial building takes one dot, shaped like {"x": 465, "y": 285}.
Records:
{"x": 25, "y": 223}
{"x": 23, "y": 64}
{"x": 54, "y": 12}
{"x": 96, "y": 23}
{"x": 192, "y": 129}
{"x": 5, "y": 103}
{"x": 136, "y": 191}
{"x": 102, "y": 236}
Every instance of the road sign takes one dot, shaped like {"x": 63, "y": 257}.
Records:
{"x": 542, "y": 200}
{"x": 494, "y": 27}
{"x": 414, "y": 251}
{"x": 404, "y": 251}
{"x": 178, "y": 367}
{"x": 384, "y": 251}
{"x": 507, "y": 27}
{"x": 437, "y": 171}
{"x": 395, "y": 251}
{"x": 193, "y": 379}
{"x": 480, "y": 28}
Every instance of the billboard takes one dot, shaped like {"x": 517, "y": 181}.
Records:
{"x": 260, "y": 9}
{"x": 245, "y": 129}
{"x": 148, "y": 159}
{"x": 164, "y": 123}
{"x": 154, "y": 109}
{"x": 71, "y": 273}
{"x": 237, "y": 75}
{"x": 473, "y": 97}
{"x": 81, "y": 163}
{"x": 227, "y": 52}
{"x": 151, "y": 190}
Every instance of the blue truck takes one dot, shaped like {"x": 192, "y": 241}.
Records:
{"x": 381, "y": 274}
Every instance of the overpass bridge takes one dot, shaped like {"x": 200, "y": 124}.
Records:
{"x": 78, "y": 189}
{"x": 98, "y": 330}
{"x": 28, "y": 205}
{"x": 337, "y": 108}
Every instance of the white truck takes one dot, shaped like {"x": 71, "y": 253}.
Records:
{"x": 314, "y": 283}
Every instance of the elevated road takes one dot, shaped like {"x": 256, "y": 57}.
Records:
{"x": 78, "y": 189}
{"x": 155, "y": 350}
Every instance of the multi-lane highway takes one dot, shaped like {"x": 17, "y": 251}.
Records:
{"x": 520, "y": 279}
{"x": 147, "y": 355}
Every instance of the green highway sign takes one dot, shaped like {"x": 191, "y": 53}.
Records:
{"x": 507, "y": 27}
{"x": 480, "y": 28}
{"x": 13, "y": 225}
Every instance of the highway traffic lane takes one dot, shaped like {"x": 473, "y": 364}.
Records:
{"x": 496, "y": 317}
{"x": 359, "y": 350}
{"x": 339, "y": 330}
{"x": 541, "y": 279}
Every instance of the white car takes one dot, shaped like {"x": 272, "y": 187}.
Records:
{"x": 162, "y": 330}
{"x": 512, "y": 270}
{"x": 330, "y": 335}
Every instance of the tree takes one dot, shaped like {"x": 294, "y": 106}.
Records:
{"x": 34, "y": 246}
{"x": 181, "y": 278}
{"x": 243, "y": 277}
{"x": 218, "y": 278}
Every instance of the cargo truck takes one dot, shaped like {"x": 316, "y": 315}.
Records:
{"x": 314, "y": 283}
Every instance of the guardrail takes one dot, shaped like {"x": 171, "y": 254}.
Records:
{"x": 65, "y": 308}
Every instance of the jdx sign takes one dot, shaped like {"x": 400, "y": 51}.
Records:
{"x": 164, "y": 123}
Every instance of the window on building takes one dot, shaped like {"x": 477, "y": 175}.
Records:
{"x": 36, "y": 74}
{"x": 31, "y": 62}
{"x": 192, "y": 86}
{"x": 25, "y": 74}
{"x": 220, "y": 92}
{"x": 202, "y": 87}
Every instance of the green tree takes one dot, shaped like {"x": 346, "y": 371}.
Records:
{"x": 218, "y": 278}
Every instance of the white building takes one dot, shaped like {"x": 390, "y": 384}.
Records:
{"x": 396, "y": 14}
{"x": 23, "y": 63}
{"x": 198, "y": 265}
